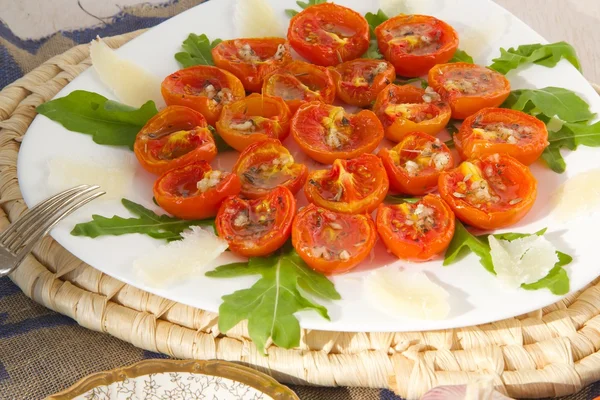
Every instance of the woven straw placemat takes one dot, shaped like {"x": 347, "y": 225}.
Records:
{"x": 550, "y": 352}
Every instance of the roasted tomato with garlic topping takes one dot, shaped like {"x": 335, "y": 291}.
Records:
{"x": 329, "y": 34}
{"x": 468, "y": 87}
{"x": 300, "y": 82}
{"x": 414, "y": 165}
{"x": 174, "y": 137}
{"x": 404, "y": 109}
{"x": 359, "y": 81}
{"x": 493, "y": 192}
{"x": 326, "y": 133}
{"x": 203, "y": 88}
{"x": 252, "y": 59}
{"x": 194, "y": 191}
{"x": 353, "y": 186}
{"x": 416, "y": 232}
{"x": 503, "y": 131}
{"x": 255, "y": 228}
{"x": 415, "y": 43}
{"x": 331, "y": 242}
{"x": 265, "y": 165}
{"x": 254, "y": 119}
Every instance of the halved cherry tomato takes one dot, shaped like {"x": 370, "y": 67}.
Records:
{"x": 331, "y": 242}
{"x": 494, "y": 192}
{"x": 264, "y": 165}
{"x": 329, "y": 34}
{"x": 415, "y": 43}
{"x": 254, "y": 119}
{"x": 416, "y": 232}
{"x": 359, "y": 81}
{"x": 204, "y": 88}
{"x": 194, "y": 191}
{"x": 300, "y": 82}
{"x": 326, "y": 132}
{"x": 174, "y": 137}
{"x": 255, "y": 228}
{"x": 404, "y": 109}
{"x": 468, "y": 87}
{"x": 353, "y": 186}
{"x": 503, "y": 131}
{"x": 252, "y": 59}
{"x": 414, "y": 165}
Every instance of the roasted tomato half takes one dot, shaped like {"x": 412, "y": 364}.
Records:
{"x": 252, "y": 59}
{"x": 254, "y": 119}
{"x": 326, "y": 133}
{"x": 263, "y": 166}
{"x": 300, "y": 82}
{"x": 468, "y": 87}
{"x": 359, "y": 81}
{"x": 416, "y": 232}
{"x": 258, "y": 227}
{"x": 194, "y": 191}
{"x": 174, "y": 137}
{"x": 204, "y": 88}
{"x": 414, "y": 165}
{"x": 353, "y": 186}
{"x": 503, "y": 131}
{"x": 404, "y": 109}
{"x": 331, "y": 242}
{"x": 493, "y": 192}
{"x": 415, "y": 43}
{"x": 329, "y": 34}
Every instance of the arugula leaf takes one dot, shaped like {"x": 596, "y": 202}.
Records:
{"x": 570, "y": 136}
{"x": 461, "y": 56}
{"x": 397, "y": 199}
{"x": 557, "y": 280}
{"x": 423, "y": 82}
{"x": 452, "y": 130}
{"x": 303, "y": 5}
{"x": 147, "y": 222}
{"x": 221, "y": 144}
{"x": 109, "y": 122}
{"x": 551, "y": 155}
{"x": 547, "y": 55}
{"x": 374, "y": 20}
{"x": 373, "y": 51}
{"x": 197, "y": 51}
{"x": 550, "y": 101}
{"x": 465, "y": 240}
{"x": 269, "y": 305}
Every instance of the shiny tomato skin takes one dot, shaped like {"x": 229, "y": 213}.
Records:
{"x": 260, "y": 169}
{"x": 400, "y": 51}
{"x": 450, "y": 80}
{"x": 310, "y": 34}
{"x": 251, "y": 66}
{"x": 529, "y": 139}
{"x": 300, "y": 82}
{"x": 257, "y": 227}
{"x": 425, "y": 179}
{"x": 332, "y": 234}
{"x": 514, "y": 190}
{"x": 402, "y": 109}
{"x": 193, "y": 204}
{"x": 422, "y": 239}
{"x": 267, "y": 116}
{"x": 354, "y": 186}
{"x": 191, "y": 87}
{"x": 358, "y": 82}
{"x": 313, "y": 123}
{"x": 174, "y": 137}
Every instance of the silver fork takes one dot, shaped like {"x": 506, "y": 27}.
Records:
{"x": 19, "y": 238}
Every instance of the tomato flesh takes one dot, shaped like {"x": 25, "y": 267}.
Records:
{"x": 359, "y": 81}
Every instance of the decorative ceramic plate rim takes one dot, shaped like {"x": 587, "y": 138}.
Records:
{"x": 475, "y": 294}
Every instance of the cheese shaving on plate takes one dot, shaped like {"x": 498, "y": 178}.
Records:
{"x": 256, "y": 19}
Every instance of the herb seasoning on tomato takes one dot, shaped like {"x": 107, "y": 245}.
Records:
{"x": 359, "y": 81}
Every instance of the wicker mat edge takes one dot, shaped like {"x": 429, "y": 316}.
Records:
{"x": 550, "y": 352}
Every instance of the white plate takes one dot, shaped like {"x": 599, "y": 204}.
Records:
{"x": 476, "y": 296}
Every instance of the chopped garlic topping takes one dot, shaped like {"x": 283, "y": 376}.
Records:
{"x": 241, "y": 219}
{"x": 246, "y": 53}
{"x": 243, "y": 126}
{"x": 210, "y": 91}
{"x": 503, "y": 133}
{"x": 412, "y": 168}
{"x": 431, "y": 95}
{"x": 209, "y": 181}
{"x": 280, "y": 52}
{"x": 382, "y": 66}
{"x": 441, "y": 161}
{"x": 344, "y": 255}
{"x": 333, "y": 137}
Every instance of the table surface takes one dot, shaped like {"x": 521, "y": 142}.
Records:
{"x": 41, "y": 351}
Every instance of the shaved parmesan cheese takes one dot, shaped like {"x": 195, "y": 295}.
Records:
{"x": 476, "y": 40}
{"x": 255, "y": 19}
{"x": 179, "y": 259}
{"x": 525, "y": 260}
{"x": 578, "y": 196}
{"x": 132, "y": 84}
{"x": 115, "y": 177}
{"x": 407, "y": 294}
